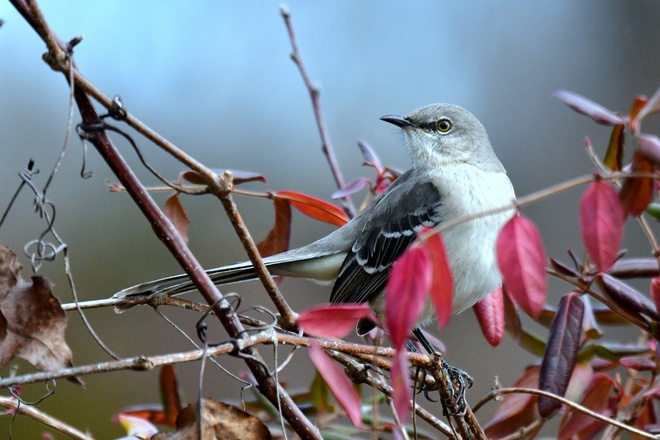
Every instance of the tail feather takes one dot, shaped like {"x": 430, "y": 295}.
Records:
{"x": 180, "y": 284}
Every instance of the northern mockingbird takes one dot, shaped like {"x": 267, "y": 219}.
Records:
{"x": 454, "y": 173}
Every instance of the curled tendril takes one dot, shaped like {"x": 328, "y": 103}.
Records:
{"x": 87, "y": 133}
{"x": 38, "y": 250}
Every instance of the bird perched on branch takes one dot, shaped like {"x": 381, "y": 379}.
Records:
{"x": 455, "y": 173}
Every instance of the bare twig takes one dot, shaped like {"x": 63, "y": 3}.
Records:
{"x": 314, "y": 94}
{"x": 358, "y": 373}
{"x": 223, "y": 192}
{"x": 32, "y": 412}
{"x": 577, "y": 407}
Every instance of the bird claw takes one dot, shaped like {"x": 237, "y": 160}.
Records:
{"x": 454, "y": 404}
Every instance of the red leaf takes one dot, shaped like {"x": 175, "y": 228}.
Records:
{"x": 401, "y": 385}
{"x": 340, "y": 386}
{"x": 601, "y": 224}
{"x": 637, "y": 192}
{"x": 170, "y": 394}
{"x": 515, "y": 411}
{"x": 589, "y": 108}
{"x": 332, "y": 321}
{"x": 649, "y": 146}
{"x": 521, "y": 259}
{"x": 405, "y": 294}
{"x": 174, "y": 210}
{"x": 490, "y": 315}
{"x": 614, "y": 155}
{"x": 442, "y": 283}
{"x": 561, "y": 352}
{"x": 278, "y": 237}
{"x": 638, "y": 363}
{"x": 315, "y": 208}
{"x": 597, "y": 397}
{"x": 655, "y": 292}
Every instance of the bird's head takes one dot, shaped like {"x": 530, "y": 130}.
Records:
{"x": 443, "y": 134}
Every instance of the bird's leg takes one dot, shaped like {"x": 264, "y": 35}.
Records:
{"x": 452, "y": 382}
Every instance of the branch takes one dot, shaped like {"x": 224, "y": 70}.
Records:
{"x": 314, "y": 94}
{"x": 577, "y": 407}
{"x": 359, "y": 374}
{"x": 58, "y": 55}
{"x": 32, "y": 412}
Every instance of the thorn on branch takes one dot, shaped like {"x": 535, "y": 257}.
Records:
{"x": 73, "y": 43}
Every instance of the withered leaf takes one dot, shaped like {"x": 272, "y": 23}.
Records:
{"x": 278, "y": 237}
{"x": 219, "y": 420}
{"x": 175, "y": 211}
{"x": 35, "y": 326}
{"x": 34, "y": 322}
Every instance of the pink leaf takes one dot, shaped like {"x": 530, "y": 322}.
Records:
{"x": 649, "y": 146}
{"x": 638, "y": 363}
{"x": 490, "y": 315}
{"x": 521, "y": 259}
{"x": 589, "y": 108}
{"x": 351, "y": 188}
{"x": 405, "y": 294}
{"x": 601, "y": 224}
{"x": 598, "y": 398}
{"x": 655, "y": 292}
{"x": 370, "y": 155}
{"x": 442, "y": 284}
{"x": 340, "y": 386}
{"x": 332, "y": 321}
{"x": 652, "y": 106}
{"x": 401, "y": 385}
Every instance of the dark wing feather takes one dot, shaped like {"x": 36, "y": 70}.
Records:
{"x": 407, "y": 205}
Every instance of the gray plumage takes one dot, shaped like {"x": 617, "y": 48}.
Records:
{"x": 454, "y": 173}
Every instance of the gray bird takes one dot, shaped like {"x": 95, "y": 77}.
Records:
{"x": 454, "y": 173}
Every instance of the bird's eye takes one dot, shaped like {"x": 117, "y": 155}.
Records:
{"x": 443, "y": 125}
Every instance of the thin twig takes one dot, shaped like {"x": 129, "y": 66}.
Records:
{"x": 314, "y": 94}
{"x": 356, "y": 369}
{"x": 577, "y": 407}
{"x": 287, "y": 315}
{"x": 11, "y": 403}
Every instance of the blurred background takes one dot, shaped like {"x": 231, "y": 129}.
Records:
{"x": 216, "y": 79}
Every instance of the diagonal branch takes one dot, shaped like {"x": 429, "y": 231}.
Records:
{"x": 163, "y": 227}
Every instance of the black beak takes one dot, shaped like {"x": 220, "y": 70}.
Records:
{"x": 399, "y": 121}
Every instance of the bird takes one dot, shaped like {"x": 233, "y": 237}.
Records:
{"x": 454, "y": 173}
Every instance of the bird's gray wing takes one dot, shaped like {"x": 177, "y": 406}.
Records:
{"x": 407, "y": 205}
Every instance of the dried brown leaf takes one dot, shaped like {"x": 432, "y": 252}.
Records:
{"x": 219, "y": 420}
{"x": 36, "y": 326}
{"x": 175, "y": 211}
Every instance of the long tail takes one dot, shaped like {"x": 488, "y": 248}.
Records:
{"x": 179, "y": 284}
{"x": 315, "y": 266}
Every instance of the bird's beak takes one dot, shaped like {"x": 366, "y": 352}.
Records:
{"x": 399, "y": 121}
